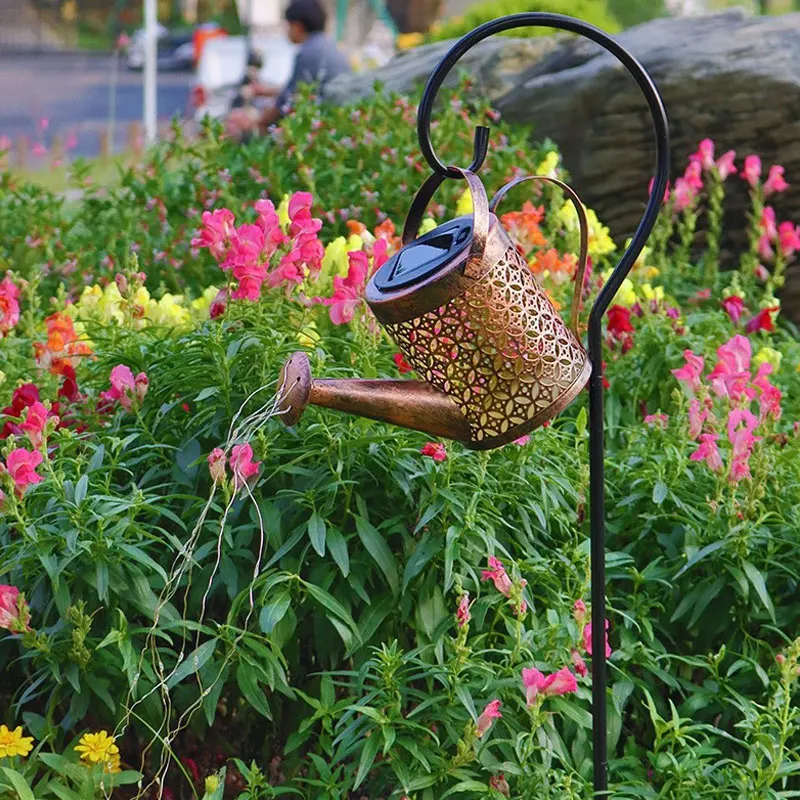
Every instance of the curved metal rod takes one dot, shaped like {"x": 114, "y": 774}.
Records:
{"x": 606, "y": 295}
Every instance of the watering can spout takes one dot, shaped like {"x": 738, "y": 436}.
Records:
{"x": 408, "y": 403}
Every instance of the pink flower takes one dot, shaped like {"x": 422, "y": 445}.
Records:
{"x": 587, "y": 640}
{"x": 775, "y": 181}
{"x": 34, "y": 424}
{"x": 242, "y": 465}
{"x": 770, "y": 396}
{"x": 298, "y": 202}
{"x": 38, "y": 149}
{"x": 216, "y": 464}
{"x": 650, "y": 189}
{"x": 536, "y": 683}
{"x": 691, "y": 372}
{"x": 697, "y": 418}
{"x": 9, "y": 305}
{"x": 693, "y": 175}
{"x": 218, "y": 304}
{"x": 125, "y": 388}
{"x": 497, "y": 573}
{"x": 579, "y": 611}
{"x": 789, "y": 238}
{"x": 21, "y": 465}
{"x": 708, "y": 451}
{"x": 726, "y": 165}
{"x": 14, "y": 612}
{"x": 462, "y": 612}
{"x": 656, "y": 420}
{"x": 348, "y": 292}
{"x": 732, "y": 372}
{"x": 218, "y": 227}
{"x": 752, "y": 170}
{"x": 704, "y": 155}
{"x": 485, "y": 720}
{"x": 733, "y": 306}
{"x": 435, "y": 450}
{"x": 579, "y": 664}
{"x": 523, "y": 440}
{"x": 500, "y": 784}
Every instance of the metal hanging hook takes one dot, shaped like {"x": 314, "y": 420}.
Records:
{"x": 603, "y": 300}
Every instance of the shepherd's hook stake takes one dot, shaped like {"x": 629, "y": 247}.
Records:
{"x": 601, "y": 304}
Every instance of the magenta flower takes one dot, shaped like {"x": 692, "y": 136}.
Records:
{"x": 435, "y": 450}
{"x": 752, "y": 170}
{"x": 497, "y": 574}
{"x": 218, "y": 226}
{"x": 348, "y": 292}
{"x": 656, "y": 420}
{"x": 697, "y": 418}
{"x": 579, "y": 611}
{"x": 731, "y": 374}
{"x": 650, "y": 189}
{"x": 14, "y": 611}
{"x": 242, "y": 465}
{"x": 769, "y": 396}
{"x": 691, "y": 372}
{"x": 704, "y": 155}
{"x": 726, "y": 164}
{"x": 579, "y": 664}
{"x": 216, "y": 465}
{"x": 298, "y": 202}
{"x": 9, "y": 305}
{"x": 21, "y": 465}
{"x": 587, "y": 640}
{"x": 775, "y": 181}
{"x": 708, "y": 451}
{"x": 486, "y": 719}
{"x": 35, "y": 423}
{"x": 733, "y": 306}
{"x": 462, "y": 612}
{"x": 537, "y": 683}
{"x": 125, "y": 388}
{"x": 789, "y": 238}
{"x": 523, "y": 440}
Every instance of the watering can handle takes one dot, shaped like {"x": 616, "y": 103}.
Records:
{"x": 580, "y": 275}
{"x": 480, "y": 216}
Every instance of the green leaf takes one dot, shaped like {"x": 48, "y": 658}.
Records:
{"x": 192, "y": 663}
{"x": 332, "y": 604}
{"x": 475, "y": 788}
{"x": 569, "y": 709}
{"x": 96, "y": 461}
{"x": 101, "y": 580}
{"x": 371, "y": 747}
{"x": 659, "y": 492}
{"x": 379, "y": 550}
{"x": 757, "y": 579}
{"x": 273, "y": 611}
{"x": 580, "y": 422}
{"x": 253, "y": 693}
{"x": 19, "y": 783}
{"x": 316, "y": 533}
{"x": 338, "y": 549}
{"x": 425, "y": 550}
{"x": 209, "y": 391}
{"x": 80, "y": 489}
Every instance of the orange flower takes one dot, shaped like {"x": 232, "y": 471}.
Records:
{"x": 62, "y": 348}
{"x": 524, "y": 226}
{"x": 356, "y": 227}
{"x": 559, "y": 269}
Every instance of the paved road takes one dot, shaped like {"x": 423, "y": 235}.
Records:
{"x": 72, "y": 92}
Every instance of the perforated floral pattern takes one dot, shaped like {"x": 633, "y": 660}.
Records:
{"x": 500, "y": 350}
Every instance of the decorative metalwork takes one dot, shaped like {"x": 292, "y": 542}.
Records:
{"x": 500, "y": 350}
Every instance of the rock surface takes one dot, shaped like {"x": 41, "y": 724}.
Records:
{"x": 728, "y": 76}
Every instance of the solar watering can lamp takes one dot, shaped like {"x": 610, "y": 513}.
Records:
{"x": 496, "y": 358}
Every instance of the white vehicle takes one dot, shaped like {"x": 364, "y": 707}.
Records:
{"x": 175, "y": 51}
{"x": 223, "y": 65}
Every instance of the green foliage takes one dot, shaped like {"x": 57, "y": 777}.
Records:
{"x": 296, "y": 636}
{"x": 595, "y": 12}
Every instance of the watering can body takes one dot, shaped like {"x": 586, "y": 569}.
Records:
{"x": 461, "y": 303}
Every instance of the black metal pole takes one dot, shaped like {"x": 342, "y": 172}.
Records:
{"x": 595, "y": 333}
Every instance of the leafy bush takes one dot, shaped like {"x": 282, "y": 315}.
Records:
{"x": 344, "y": 608}
{"x": 595, "y": 12}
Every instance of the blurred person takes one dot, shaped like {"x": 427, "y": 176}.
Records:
{"x": 318, "y": 60}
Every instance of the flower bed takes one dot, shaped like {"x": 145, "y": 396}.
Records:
{"x": 198, "y": 600}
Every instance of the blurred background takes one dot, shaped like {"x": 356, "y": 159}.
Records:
{"x": 72, "y": 81}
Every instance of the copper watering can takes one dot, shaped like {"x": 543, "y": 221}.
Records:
{"x": 464, "y": 308}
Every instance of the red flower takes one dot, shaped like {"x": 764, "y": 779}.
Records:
{"x": 734, "y": 306}
{"x": 619, "y": 321}
{"x": 402, "y": 365}
{"x": 435, "y": 450}
{"x": 763, "y": 321}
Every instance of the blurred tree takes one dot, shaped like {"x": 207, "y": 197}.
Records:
{"x": 414, "y": 15}
{"x": 634, "y": 12}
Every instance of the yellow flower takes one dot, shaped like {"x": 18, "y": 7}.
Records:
{"x": 13, "y": 743}
{"x": 308, "y": 336}
{"x": 464, "y": 206}
{"x": 428, "y": 224}
{"x": 650, "y": 293}
{"x": 600, "y": 242}
{"x": 770, "y": 356}
{"x": 169, "y": 311}
{"x": 406, "y": 41}
{"x": 626, "y": 296}
{"x": 283, "y": 213}
{"x": 2, "y": 377}
{"x": 335, "y": 260}
{"x": 202, "y": 304}
{"x": 211, "y": 784}
{"x": 549, "y": 165}
{"x": 98, "y": 748}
